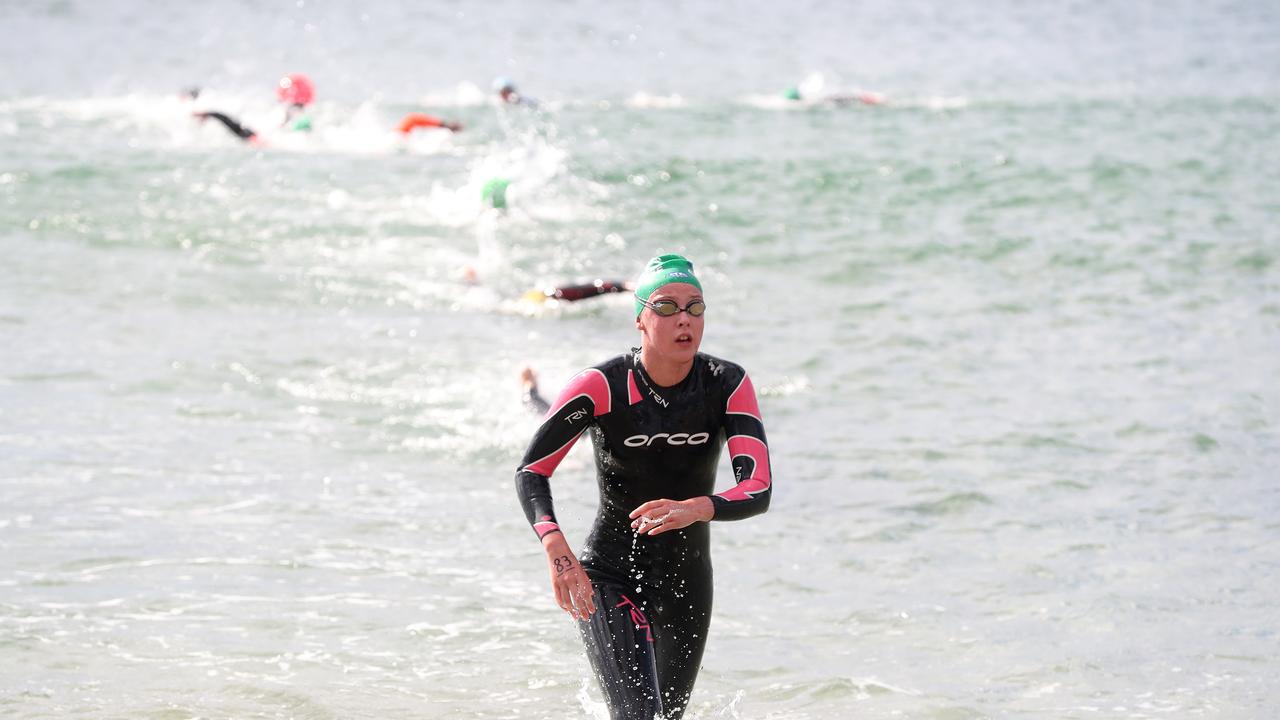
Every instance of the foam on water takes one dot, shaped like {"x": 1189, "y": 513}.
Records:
{"x": 646, "y": 100}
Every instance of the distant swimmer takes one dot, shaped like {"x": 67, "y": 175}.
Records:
{"x": 573, "y": 293}
{"x": 231, "y": 124}
{"x": 416, "y": 120}
{"x": 529, "y": 394}
{"x": 560, "y": 293}
{"x": 494, "y": 192}
{"x": 658, "y": 417}
{"x": 509, "y": 95}
{"x": 296, "y": 91}
{"x": 839, "y": 99}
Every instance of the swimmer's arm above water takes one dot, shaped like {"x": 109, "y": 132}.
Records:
{"x": 232, "y": 126}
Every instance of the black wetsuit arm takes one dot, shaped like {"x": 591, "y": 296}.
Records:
{"x": 234, "y": 127}
{"x": 583, "y": 398}
{"x": 534, "y": 491}
{"x": 749, "y": 455}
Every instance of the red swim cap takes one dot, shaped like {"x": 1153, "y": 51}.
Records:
{"x": 296, "y": 89}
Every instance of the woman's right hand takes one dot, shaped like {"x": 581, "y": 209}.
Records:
{"x": 573, "y": 589}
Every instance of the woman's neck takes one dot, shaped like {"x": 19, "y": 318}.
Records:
{"x": 662, "y": 371}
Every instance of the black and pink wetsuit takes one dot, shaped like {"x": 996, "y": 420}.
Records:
{"x": 653, "y": 593}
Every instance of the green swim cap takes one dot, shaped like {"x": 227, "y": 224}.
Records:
{"x": 302, "y": 124}
{"x": 494, "y": 192}
{"x": 663, "y": 270}
{"x": 792, "y": 93}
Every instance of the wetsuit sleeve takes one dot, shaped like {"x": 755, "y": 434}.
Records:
{"x": 749, "y": 455}
{"x": 229, "y": 123}
{"x": 583, "y": 399}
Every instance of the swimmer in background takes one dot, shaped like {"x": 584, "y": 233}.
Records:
{"x": 573, "y": 293}
{"x": 529, "y": 395}
{"x": 416, "y": 120}
{"x": 840, "y": 100}
{"x": 509, "y": 95}
{"x": 562, "y": 293}
{"x": 231, "y": 124}
{"x": 295, "y": 90}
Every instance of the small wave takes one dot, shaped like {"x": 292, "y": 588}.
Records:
{"x": 1041, "y": 442}
{"x": 789, "y": 386}
{"x": 932, "y": 102}
{"x": 953, "y": 504}
{"x": 57, "y": 377}
{"x": 835, "y": 688}
{"x": 1204, "y": 443}
{"x": 464, "y": 95}
{"x": 772, "y": 102}
{"x": 662, "y": 102}
{"x": 591, "y": 706}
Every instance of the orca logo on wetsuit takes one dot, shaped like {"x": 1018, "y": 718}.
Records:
{"x": 676, "y": 439}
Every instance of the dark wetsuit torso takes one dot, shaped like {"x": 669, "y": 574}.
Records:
{"x": 650, "y": 443}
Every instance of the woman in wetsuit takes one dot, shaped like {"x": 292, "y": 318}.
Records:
{"x": 658, "y": 417}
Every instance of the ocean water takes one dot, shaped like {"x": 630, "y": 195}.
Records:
{"x": 1016, "y": 333}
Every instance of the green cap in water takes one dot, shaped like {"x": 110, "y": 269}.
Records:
{"x": 302, "y": 124}
{"x": 494, "y": 192}
{"x": 663, "y": 270}
{"x": 792, "y": 93}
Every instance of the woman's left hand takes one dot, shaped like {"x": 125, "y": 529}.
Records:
{"x": 658, "y": 516}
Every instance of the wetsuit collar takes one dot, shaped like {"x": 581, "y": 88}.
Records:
{"x": 660, "y": 393}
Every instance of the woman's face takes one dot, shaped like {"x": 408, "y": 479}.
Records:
{"x": 677, "y": 337}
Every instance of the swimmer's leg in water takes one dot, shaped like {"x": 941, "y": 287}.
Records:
{"x": 234, "y": 127}
{"x": 620, "y": 645}
{"x": 680, "y": 636}
{"x": 647, "y": 653}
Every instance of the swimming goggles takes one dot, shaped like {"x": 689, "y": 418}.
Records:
{"x": 667, "y": 308}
